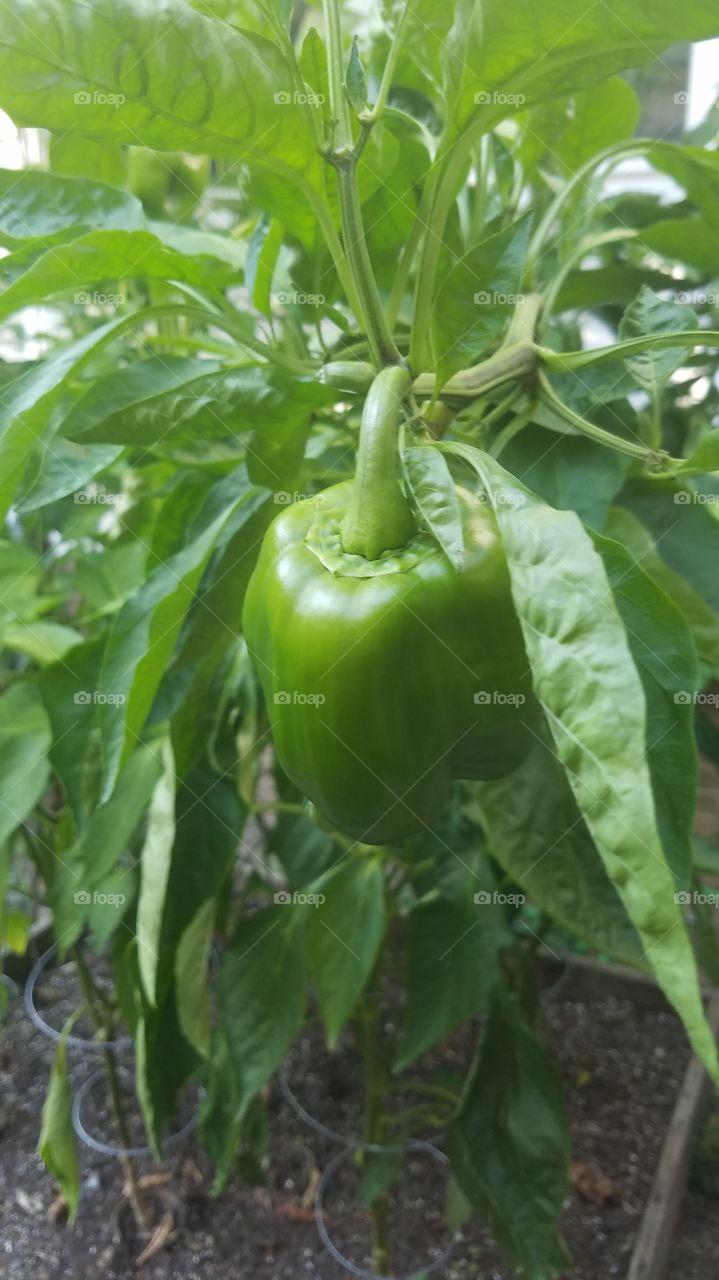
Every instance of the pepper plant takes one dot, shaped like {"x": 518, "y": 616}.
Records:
{"x": 267, "y": 241}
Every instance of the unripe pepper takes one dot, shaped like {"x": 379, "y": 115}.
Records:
{"x": 386, "y": 672}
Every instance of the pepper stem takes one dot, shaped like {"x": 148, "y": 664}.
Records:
{"x": 379, "y": 517}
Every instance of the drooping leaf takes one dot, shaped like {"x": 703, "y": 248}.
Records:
{"x": 57, "y": 1145}
{"x": 261, "y": 990}
{"x": 191, "y": 962}
{"x": 24, "y": 743}
{"x": 452, "y": 966}
{"x": 344, "y": 933}
{"x": 509, "y": 1143}
{"x": 155, "y": 861}
{"x": 587, "y": 683}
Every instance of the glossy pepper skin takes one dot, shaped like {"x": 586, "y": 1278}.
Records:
{"x": 382, "y": 689}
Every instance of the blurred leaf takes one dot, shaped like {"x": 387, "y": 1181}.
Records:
{"x": 155, "y": 861}
{"x": 509, "y": 1143}
{"x": 57, "y": 1146}
{"x": 24, "y": 743}
{"x": 344, "y": 933}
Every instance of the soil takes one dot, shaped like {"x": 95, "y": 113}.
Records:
{"x": 622, "y": 1067}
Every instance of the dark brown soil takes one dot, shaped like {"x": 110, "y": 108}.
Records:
{"x": 621, "y": 1065}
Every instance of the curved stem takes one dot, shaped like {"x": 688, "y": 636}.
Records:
{"x": 620, "y": 151}
{"x": 594, "y": 432}
{"x": 379, "y": 517}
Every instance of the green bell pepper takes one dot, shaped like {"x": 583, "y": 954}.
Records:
{"x": 386, "y": 672}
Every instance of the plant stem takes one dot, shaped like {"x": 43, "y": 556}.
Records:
{"x": 374, "y": 1127}
{"x": 379, "y": 517}
{"x": 103, "y": 1027}
{"x": 344, "y": 155}
{"x": 369, "y": 117}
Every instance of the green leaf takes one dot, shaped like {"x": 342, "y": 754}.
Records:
{"x": 107, "y": 256}
{"x": 703, "y": 623}
{"x": 477, "y": 298}
{"x": 169, "y": 78}
{"x": 91, "y": 864}
{"x": 355, "y": 79}
{"x": 344, "y": 933}
{"x": 27, "y": 410}
{"x": 696, "y": 169}
{"x": 661, "y": 645}
{"x": 650, "y": 314}
{"x": 140, "y": 404}
{"x": 155, "y": 869}
{"x": 582, "y": 671}
{"x": 433, "y": 491}
{"x": 57, "y": 1147}
{"x": 164, "y": 1062}
{"x": 452, "y": 966}
{"x": 600, "y": 117}
{"x": 65, "y": 468}
{"x": 537, "y": 834}
{"x": 262, "y": 990}
{"x": 42, "y": 642}
{"x": 191, "y": 983}
{"x": 691, "y": 241}
{"x": 35, "y": 205}
{"x": 144, "y": 632}
{"x": 24, "y": 743}
{"x": 263, "y": 251}
{"x": 685, "y": 532}
{"x": 500, "y": 59}
{"x": 570, "y": 472}
{"x": 509, "y": 1144}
